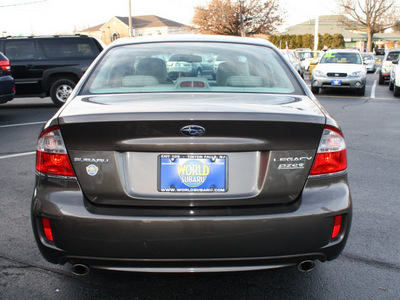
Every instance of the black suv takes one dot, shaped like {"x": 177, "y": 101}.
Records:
{"x": 49, "y": 66}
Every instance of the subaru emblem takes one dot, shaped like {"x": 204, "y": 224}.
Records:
{"x": 193, "y": 130}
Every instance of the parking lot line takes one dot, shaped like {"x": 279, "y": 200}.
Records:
{"x": 22, "y": 124}
{"x": 373, "y": 89}
{"x": 17, "y": 155}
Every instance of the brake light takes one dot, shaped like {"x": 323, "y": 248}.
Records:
{"x": 47, "y": 229}
{"x": 337, "y": 224}
{"x": 331, "y": 155}
{"x": 192, "y": 84}
{"x": 51, "y": 154}
{"x": 5, "y": 65}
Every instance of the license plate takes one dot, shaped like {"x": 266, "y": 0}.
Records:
{"x": 336, "y": 82}
{"x": 192, "y": 173}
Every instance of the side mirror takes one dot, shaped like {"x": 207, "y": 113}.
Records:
{"x": 396, "y": 62}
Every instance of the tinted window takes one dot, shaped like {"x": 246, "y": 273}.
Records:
{"x": 69, "y": 47}
{"x": 18, "y": 50}
{"x": 140, "y": 68}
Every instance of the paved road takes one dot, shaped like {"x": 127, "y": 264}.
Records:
{"x": 369, "y": 268}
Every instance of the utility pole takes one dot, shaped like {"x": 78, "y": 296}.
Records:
{"x": 241, "y": 17}
{"x": 316, "y": 37}
{"x": 130, "y": 20}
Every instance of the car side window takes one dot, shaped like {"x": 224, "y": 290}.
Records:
{"x": 65, "y": 47}
{"x": 20, "y": 50}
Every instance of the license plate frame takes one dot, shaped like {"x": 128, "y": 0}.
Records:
{"x": 192, "y": 173}
{"x": 336, "y": 82}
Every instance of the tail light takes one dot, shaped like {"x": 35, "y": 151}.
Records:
{"x": 47, "y": 229}
{"x": 331, "y": 155}
{"x": 51, "y": 154}
{"x": 5, "y": 65}
{"x": 337, "y": 224}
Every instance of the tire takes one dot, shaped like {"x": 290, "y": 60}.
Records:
{"x": 396, "y": 90}
{"x": 391, "y": 86}
{"x": 381, "y": 80}
{"x": 361, "y": 92}
{"x": 60, "y": 91}
{"x": 315, "y": 90}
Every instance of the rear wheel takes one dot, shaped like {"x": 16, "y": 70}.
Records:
{"x": 381, "y": 80}
{"x": 315, "y": 90}
{"x": 396, "y": 90}
{"x": 60, "y": 91}
{"x": 391, "y": 86}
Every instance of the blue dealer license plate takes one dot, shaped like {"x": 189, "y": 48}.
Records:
{"x": 192, "y": 173}
{"x": 336, "y": 82}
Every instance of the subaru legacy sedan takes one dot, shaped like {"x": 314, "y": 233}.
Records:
{"x": 142, "y": 172}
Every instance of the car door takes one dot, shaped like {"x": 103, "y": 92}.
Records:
{"x": 23, "y": 59}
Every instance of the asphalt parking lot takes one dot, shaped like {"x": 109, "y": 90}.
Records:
{"x": 369, "y": 267}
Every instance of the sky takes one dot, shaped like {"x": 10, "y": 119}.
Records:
{"x": 45, "y": 17}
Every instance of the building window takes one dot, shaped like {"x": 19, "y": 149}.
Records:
{"x": 115, "y": 36}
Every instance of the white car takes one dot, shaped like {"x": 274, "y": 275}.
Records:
{"x": 394, "y": 83}
{"x": 340, "y": 68}
{"x": 390, "y": 57}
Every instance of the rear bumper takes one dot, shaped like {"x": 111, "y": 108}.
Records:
{"x": 6, "y": 98}
{"x": 116, "y": 239}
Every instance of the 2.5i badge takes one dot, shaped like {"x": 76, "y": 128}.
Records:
{"x": 92, "y": 170}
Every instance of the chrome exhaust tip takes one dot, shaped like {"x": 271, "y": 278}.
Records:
{"x": 80, "y": 270}
{"x": 306, "y": 266}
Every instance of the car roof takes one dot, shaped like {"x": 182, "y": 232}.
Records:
{"x": 191, "y": 38}
{"x": 343, "y": 50}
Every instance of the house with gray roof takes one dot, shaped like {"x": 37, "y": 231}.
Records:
{"x": 148, "y": 25}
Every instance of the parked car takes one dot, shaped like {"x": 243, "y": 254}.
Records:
{"x": 340, "y": 68}
{"x": 394, "y": 82}
{"x": 190, "y": 64}
{"x": 392, "y": 77}
{"x": 369, "y": 61}
{"x": 138, "y": 173}
{"x": 7, "y": 89}
{"x": 390, "y": 57}
{"x": 49, "y": 66}
{"x": 380, "y": 51}
{"x": 294, "y": 61}
{"x": 306, "y": 56}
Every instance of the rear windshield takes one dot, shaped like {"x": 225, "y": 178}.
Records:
{"x": 341, "y": 58}
{"x": 305, "y": 55}
{"x": 188, "y": 67}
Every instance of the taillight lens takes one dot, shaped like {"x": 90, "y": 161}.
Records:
{"x": 337, "y": 224}
{"x": 47, "y": 229}
{"x": 5, "y": 65}
{"x": 331, "y": 155}
{"x": 51, "y": 154}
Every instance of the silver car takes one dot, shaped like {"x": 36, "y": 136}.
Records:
{"x": 369, "y": 61}
{"x": 340, "y": 68}
{"x": 141, "y": 172}
{"x": 292, "y": 57}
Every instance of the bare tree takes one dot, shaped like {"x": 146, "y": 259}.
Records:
{"x": 374, "y": 15}
{"x": 230, "y": 17}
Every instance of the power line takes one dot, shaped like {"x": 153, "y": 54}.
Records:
{"x": 24, "y": 3}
